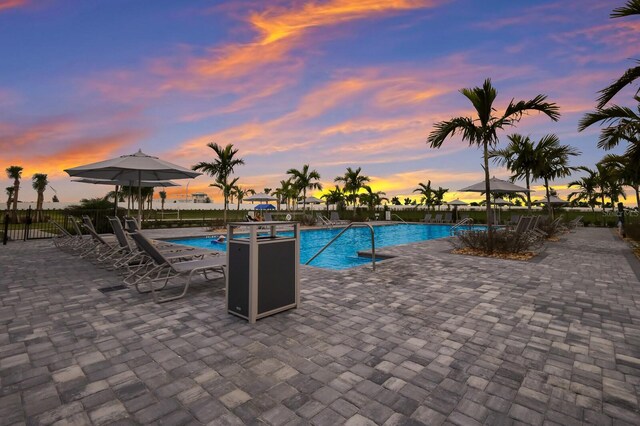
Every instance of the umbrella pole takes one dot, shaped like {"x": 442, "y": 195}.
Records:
{"x": 140, "y": 199}
{"x": 115, "y": 204}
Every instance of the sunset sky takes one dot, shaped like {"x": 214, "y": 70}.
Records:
{"x": 331, "y": 83}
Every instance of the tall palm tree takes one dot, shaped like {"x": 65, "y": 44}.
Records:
{"x": 221, "y": 169}
{"x": 427, "y": 193}
{"x": 9, "y": 190}
{"x": 628, "y": 169}
{"x": 334, "y": 196}
{"x": 631, "y": 7}
{"x": 15, "y": 173}
{"x": 552, "y": 162}
{"x": 519, "y": 158}
{"x": 39, "y": 183}
{"x": 483, "y": 129}
{"x": 587, "y": 189}
{"x": 353, "y": 183}
{"x": 241, "y": 193}
{"x": 284, "y": 193}
{"x": 305, "y": 179}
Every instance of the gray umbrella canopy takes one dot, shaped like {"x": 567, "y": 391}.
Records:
{"x": 502, "y": 202}
{"x": 144, "y": 183}
{"x": 495, "y": 185}
{"x": 137, "y": 168}
{"x": 312, "y": 200}
{"x": 457, "y": 202}
{"x": 260, "y": 196}
{"x": 554, "y": 200}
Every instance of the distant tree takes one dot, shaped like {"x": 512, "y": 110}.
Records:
{"x": 483, "y": 129}
{"x": 285, "y": 193}
{"x": 163, "y": 199}
{"x": 519, "y": 158}
{"x": 372, "y": 198}
{"x": 241, "y": 193}
{"x": 628, "y": 169}
{"x": 407, "y": 201}
{"x": 304, "y": 179}
{"x": 396, "y": 201}
{"x": 221, "y": 169}
{"x": 55, "y": 199}
{"x": 227, "y": 189}
{"x": 552, "y": 162}
{"x": 39, "y": 183}
{"x": 353, "y": 183}
{"x": 267, "y": 191}
{"x": 427, "y": 193}
{"x": 587, "y": 190}
{"x": 334, "y": 196}
{"x": 438, "y": 195}
{"x": 15, "y": 173}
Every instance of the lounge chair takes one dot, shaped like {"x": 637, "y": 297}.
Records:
{"x": 513, "y": 220}
{"x": 64, "y": 240}
{"x": 163, "y": 270}
{"x": 572, "y": 224}
{"x": 438, "y": 218}
{"x": 427, "y": 218}
{"x": 448, "y": 217}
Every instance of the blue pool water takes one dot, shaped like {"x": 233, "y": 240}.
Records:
{"x": 343, "y": 253}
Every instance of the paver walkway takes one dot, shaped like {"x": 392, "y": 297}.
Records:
{"x": 430, "y": 338}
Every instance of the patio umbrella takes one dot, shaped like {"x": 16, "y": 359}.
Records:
{"x": 265, "y": 207}
{"x": 136, "y": 168}
{"x": 455, "y": 203}
{"x": 495, "y": 185}
{"x": 119, "y": 183}
{"x": 502, "y": 202}
{"x": 313, "y": 200}
{"x": 553, "y": 200}
{"x": 261, "y": 196}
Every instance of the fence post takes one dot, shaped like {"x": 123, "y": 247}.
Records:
{"x": 5, "y": 236}
{"x": 27, "y": 224}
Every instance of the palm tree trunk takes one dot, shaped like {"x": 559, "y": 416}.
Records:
{"x": 637, "y": 189}
{"x": 487, "y": 187}
{"x": 14, "y": 212}
{"x": 528, "y": 193}
{"x": 549, "y": 207}
{"x": 39, "y": 203}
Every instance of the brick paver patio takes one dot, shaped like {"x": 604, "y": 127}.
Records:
{"x": 430, "y": 338}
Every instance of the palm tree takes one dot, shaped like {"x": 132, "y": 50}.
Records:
{"x": 623, "y": 124}
{"x": 9, "y": 190}
{"x": 15, "y": 173}
{"x": 371, "y": 198}
{"x": 39, "y": 183}
{"x": 396, "y": 201}
{"x": 221, "y": 168}
{"x": 305, "y": 179}
{"x": 438, "y": 195}
{"x": 227, "y": 189}
{"x": 519, "y": 158}
{"x": 632, "y": 7}
{"x": 163, "y": 198}
{"x": 552, "y": 162}
{"x": 483, "y": 130}
{"x": 628, "y": 169}
{"x": 267, "y": 191}
{"x": 284, "y": 193}
{"x": 427, "y": 193}
{"x": 334, "y": 196}
{"x": 353, "y": 183}
{"x": 587, "y": 190}
{"x": 241, "y": 193}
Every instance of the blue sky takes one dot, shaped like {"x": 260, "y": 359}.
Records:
{"x": 331, "y": 83}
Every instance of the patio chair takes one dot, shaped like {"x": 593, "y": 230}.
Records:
{"x": 163, "y": 270}
{"x": 448, "y": 217}
{"x": 514, "y": 219}
{"x": 438, "y": 218}
{"x": 572, "y": 224}
{"x": 335, "y": 219}
{"x": 64, "y": 239}
{"x": 427, "y": 218}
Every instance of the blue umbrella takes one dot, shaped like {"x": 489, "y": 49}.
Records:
{"x": 265, "y": 207}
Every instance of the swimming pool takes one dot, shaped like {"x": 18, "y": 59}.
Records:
{"x": 343, "y": 253}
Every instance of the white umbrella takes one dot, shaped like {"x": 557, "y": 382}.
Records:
{"x": 312, "y": 200}
{"x": 502, "y": 202}
{"x": 457, "y": 202}
{"x": 553, "y": 200}
{"x": 495, "y": 185}
{"x": 137, "y": 168}
{"x": 261, "y": 196}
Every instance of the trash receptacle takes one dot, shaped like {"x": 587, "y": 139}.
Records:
{"x": 263, "y": 267}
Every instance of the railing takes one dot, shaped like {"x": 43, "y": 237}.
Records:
{"x": 401, "y": 219}
{"x": 466, "y": 221}
{"x": 352, "y": 224}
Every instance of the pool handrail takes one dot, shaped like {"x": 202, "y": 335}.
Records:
{"x": 466, "y": 221}
{"x": 352, "y": 224}
{"x": 401, "y": 219}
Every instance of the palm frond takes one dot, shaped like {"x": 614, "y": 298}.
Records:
{"x": 606, "y": 116}
{"x": 610, "y": 91}
{"x": 515, "y": 110}
{"x": 632, "y": 7}
{"x": 445, "y": 129}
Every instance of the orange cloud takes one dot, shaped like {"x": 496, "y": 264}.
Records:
{"x": 11, "y": 4}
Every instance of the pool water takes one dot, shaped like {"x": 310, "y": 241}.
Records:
{"x": 343, "y": 253}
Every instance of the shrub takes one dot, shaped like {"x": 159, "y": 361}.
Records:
{"x": 504, "y": 241}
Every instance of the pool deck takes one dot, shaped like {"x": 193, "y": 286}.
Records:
{"x": 429, "y": 338}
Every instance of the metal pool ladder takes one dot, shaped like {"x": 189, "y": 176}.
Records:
{"x": 351, "y": 225}
{"x": 401, "y": 219}
{"x": 465, "y": 221}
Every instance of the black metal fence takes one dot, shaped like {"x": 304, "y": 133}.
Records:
{"x": 33, "y": 224}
